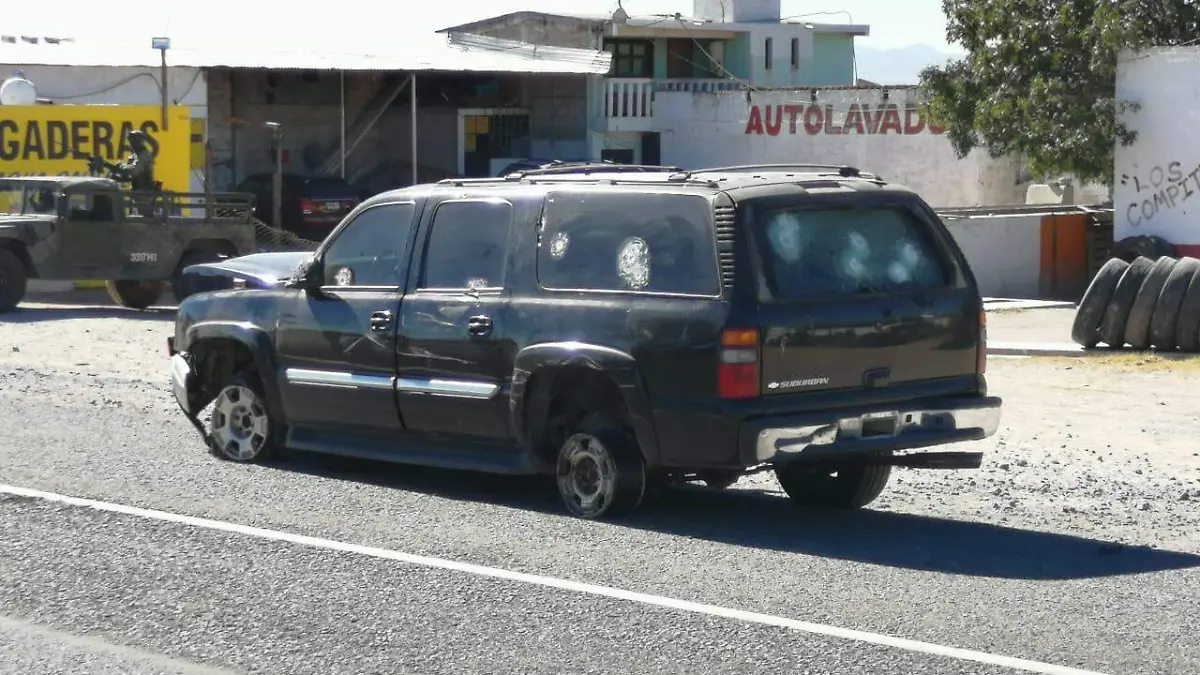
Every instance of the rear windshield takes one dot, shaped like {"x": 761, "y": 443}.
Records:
{"x": 651, "y": 243}
{"x": 813, "y": 253}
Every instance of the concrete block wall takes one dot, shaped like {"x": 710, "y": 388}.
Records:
{"x": 558, "y": 115}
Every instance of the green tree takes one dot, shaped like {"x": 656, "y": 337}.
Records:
{"x": 1039, "y": 77}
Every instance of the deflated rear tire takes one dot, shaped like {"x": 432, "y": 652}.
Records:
{"x": 600, "y": 471}
{"x": 833, "y": 486}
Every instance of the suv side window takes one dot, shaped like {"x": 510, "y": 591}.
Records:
{"x": 370, "y": 250}
{"x": 653, "y": 243}
{"x": 468, "y": 245}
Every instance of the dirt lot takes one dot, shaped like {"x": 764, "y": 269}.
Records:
{"x": 1103, "y": 444}
{"x": 1031, "y": 325}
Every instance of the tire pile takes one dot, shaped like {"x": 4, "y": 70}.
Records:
{"x": 1149, "y": 302}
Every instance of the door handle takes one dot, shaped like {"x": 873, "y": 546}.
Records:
{"x": 381, "y": 320}
{"x": 479, "y": 325}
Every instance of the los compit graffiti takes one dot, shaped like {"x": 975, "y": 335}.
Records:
{"x": 1169, "y": 187}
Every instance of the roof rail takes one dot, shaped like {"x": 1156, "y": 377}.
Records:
{"x": 470, "y": 181}
{"x": 589, "y": 167}
{"x": 843, "y": 170}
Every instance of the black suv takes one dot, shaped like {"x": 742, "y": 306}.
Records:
{"x": 618, "y": 329}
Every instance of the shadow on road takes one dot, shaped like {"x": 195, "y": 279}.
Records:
{"x": 88, "y": 304}
{"x": 764, "y": 520}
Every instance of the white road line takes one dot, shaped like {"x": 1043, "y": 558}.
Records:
{"x": 562, "y": 584}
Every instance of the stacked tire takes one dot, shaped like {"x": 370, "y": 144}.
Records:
{"x": 1143, "y": 303}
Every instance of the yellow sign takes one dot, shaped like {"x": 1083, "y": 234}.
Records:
{"x": 56, "y": 140}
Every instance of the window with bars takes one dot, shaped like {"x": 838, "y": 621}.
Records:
{"x": 631, "y": 58}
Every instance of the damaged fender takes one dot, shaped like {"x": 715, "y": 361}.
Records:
{"x": 550, "y": 356}
{"x": 191, "y": 396}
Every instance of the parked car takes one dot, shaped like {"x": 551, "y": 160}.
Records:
{"x": 618, "y": 331}
{"x": 312, "y": 205}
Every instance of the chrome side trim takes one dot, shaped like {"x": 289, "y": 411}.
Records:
{"x": 441, "y": 387}
{"x": 782, "y": 442}
{"x": 339, "y": 380}
{"x": 405, "y": 385}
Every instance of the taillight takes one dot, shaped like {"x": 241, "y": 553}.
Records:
{"x": 737, "y": 370}
{"x": 981, "y": 357}
{"x": 307, "y": 207}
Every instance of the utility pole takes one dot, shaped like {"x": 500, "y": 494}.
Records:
{"x": 162, "y": 44}
{"x": 277, "y": 178}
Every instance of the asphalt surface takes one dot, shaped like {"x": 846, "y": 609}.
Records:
{"x": 83, "y": 591}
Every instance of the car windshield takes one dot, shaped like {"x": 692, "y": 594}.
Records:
{"x": 27, "y": 197}
{"x": 811, "y": 253}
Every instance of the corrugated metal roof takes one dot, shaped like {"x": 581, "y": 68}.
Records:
{"x": 661, "y": 21}
{"x": 470, "y": 53}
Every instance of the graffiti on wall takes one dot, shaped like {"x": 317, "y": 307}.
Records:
{"x": 1163, "y": 188}
{"x": 864, "y": 118}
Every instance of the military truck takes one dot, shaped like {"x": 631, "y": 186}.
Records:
{"x": 89, "y": 227}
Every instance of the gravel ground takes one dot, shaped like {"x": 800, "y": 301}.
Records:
{"x": 1077, "y": 543}
{"x": 1051, "y": 324}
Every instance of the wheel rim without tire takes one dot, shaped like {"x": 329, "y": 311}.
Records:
{"x": 588, "y": 479}
{"x": 239, "y": 424}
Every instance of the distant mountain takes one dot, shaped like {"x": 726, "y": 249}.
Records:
{"x": 902, "y": 65}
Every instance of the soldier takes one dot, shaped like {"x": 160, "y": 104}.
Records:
{"x": 138, "y": 169}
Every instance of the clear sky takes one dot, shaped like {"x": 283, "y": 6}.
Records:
{"x": 894, "y": 23}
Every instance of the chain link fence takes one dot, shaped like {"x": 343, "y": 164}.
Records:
{"x": 273, "y": 239}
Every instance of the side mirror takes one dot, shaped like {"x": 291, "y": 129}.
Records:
{"x": 309, "y": 276}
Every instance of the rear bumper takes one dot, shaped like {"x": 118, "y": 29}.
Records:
{"x": 921, "y": 424}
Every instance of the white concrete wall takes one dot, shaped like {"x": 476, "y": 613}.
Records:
{"x": 843, "y": 126}
{"x": 1004, "y": 253}
{"x": 119, "y": 86}
{"x": 1158, "y": 177}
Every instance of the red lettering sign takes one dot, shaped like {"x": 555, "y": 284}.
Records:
{"x": 859, "y": 119}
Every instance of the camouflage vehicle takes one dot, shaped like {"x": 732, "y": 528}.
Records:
{"x": 88, "y": 227}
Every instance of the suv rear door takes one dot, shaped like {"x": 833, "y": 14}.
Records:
{"x": 455, "y": 355}
{"x": 861, "y": 290}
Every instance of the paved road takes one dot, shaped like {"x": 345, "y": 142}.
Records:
{"x": 88, "y": 591}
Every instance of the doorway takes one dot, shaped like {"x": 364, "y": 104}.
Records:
{"x": 489, "y": 134}
{"x": 617, "y": 155}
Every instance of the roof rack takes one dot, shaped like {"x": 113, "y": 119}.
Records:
{"x": 844, "y": 170}
{"x": 588, "y": 167}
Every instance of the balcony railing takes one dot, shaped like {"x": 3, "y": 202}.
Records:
{"x": 633, "y": 97}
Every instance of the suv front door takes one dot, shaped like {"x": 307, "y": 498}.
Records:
{"x": 337, "y": 348}
{"x": 455, "y": 356}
